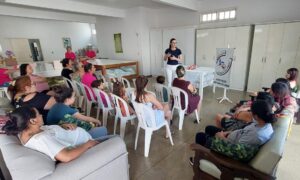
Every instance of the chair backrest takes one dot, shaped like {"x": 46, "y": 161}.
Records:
{"x": 159, "y": 91}
{"x": 144, "y": 113}
{"x": 100, "y": 102}
{"x": 85, "y": 91}
{"x": 68, "y": 83}
{"x": 117, "y": 101}
{"x": 134, "y": 83}
{"x": 125, "y": 82}
{"x": 177, "y": 92}
{"x": 77, "y": 88}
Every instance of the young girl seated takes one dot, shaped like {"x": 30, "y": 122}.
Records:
{"x": 119, "y": 90}
{"x": 161, "y": 80}
{"x": 99, "y": 84}
{"x": 162, "y": 111}
{"x": 65, "y": 97}
{"x": 54, "y": 141}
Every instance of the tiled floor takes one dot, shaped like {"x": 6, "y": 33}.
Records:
{"x": 166, "y": 162}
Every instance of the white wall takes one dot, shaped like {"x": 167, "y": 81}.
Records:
{"x": 138, "y": 21}
{"x": 253, "y": 11}
{"x": 135, "y": 38}
{"x": 49, "y": 32}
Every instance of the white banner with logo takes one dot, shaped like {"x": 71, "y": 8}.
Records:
{"x": 223, "y": 66}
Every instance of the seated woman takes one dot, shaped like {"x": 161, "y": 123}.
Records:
{"x": 54, "y": 141}
{"x": 67, "y": 68}
{"x": 255, "y": 134}
{"x": 162, "y": 111}
{"x": 40, "y": 82}
{"x": 193, "y": 98}
{"x": 99, "y": 84}
{"x": 70, "y": 54}
{"x": 161, "y": 80}
{"x": 90, "y": 53}
{"x": 292, "y": 76}
{"x": 79, "y": 72}
{"x": 65, "y": 97}
{"x": 282, "y": 95}
{"x": 5, "y": 78}
{"x": 243, "y": 116}
{"x": 119, "y": 90}
{"x": 89, "y": 77}
{"x": 23, "y": 92}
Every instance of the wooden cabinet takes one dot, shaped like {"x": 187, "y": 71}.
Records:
{"x": 275, "y": 48}
{"x": 208, "y": 40}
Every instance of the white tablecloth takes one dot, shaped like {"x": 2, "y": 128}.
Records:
{"x": 201, "y": 77}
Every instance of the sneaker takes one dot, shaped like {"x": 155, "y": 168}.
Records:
{"x": 191, "y": 160}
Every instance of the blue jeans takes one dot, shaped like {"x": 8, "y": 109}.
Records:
{"x": 97, "y": 132}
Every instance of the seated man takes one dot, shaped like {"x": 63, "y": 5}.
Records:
{"x": 255, "y": 134}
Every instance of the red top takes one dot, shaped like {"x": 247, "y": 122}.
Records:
{"x": 70, "y": 55}
{"x": 3, "y": 76}
{"x": 90, "y": 53}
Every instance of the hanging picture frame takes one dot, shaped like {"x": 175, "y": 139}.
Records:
{"x": 118, "y": 42}
{"x": 66, "y": 42}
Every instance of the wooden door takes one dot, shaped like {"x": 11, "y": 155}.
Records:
{"x": 272, "y": 57}
{"x": 206, "y": 48}
{"x": 238, "y": 38}
{"x": 156, "y": 52}
{"x": 289, "y": 49}
{"x": 260, "y": 39}
{"x": 21, "y": 48}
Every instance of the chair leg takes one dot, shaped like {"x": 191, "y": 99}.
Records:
{"x": 88, "y": 108}
{"x": 122, "y": 127}
{"x": 197, "y": 116}
{"x": 115, "y": 124}
{"x": 105, "y": 113}
{"x": 169, "y": 133}
{"x": 148, "y": 134}
{"x": 137, "y": 136}
{"x": 132, "y": 122}
{"x": 172, "y": 113}
{"x": 181, "y": 118}
{"x": 98, "y": 112}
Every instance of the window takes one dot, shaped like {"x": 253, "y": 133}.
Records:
{"x": 222, "y": 15}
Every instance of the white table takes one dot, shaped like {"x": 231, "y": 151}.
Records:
{"x": 201, "y": 77}
{"x": 51, "y": 73}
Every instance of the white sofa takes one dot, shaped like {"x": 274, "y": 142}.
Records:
{"x": 108, "y": 160}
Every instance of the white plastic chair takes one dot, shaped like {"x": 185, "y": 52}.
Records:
{"x": 126, "y": 82}
{"x": 78, "y": 93}
{"x": 4, "y": 92}
{"x": 123, "y": 118}
{"x": 177, "y": 105}
{"x": 85, "y": 90}
{"x": 105, "y": 109}
{"x": 143, "y": 112}
{"x": 159, "y": 91}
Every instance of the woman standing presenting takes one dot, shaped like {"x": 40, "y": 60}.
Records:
{"x": 173, "y": 56}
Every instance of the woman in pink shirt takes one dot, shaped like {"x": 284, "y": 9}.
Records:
{"x": 69, "y": 54}
{"x": 90, "y": 54}
{"x": 40, "y": 82}
{"x": 89, "y": 77}
{"x": 4, "y": 76}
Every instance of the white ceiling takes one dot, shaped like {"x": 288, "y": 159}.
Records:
{"x": 125, "y": 4}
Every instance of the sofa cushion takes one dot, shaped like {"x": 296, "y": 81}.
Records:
{"x": 24, "y": 163}
{"x": 269, "y": 154}
{"x": 210, "y": 168}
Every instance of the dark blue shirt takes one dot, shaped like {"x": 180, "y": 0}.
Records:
{"x": 57, "y": 113}
{"x": 175, "y": 53}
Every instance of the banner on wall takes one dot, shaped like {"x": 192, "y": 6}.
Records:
{"x": 223, "y": 66}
